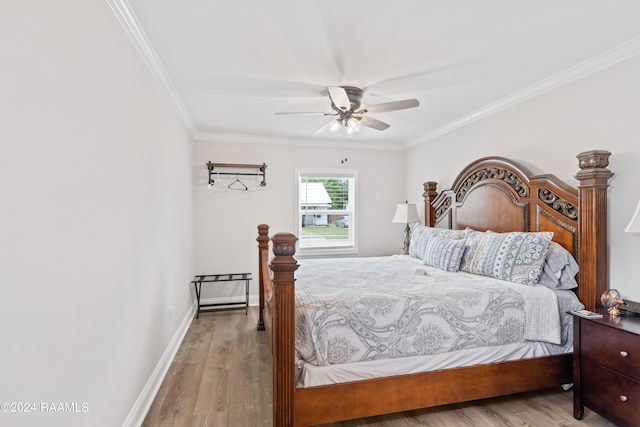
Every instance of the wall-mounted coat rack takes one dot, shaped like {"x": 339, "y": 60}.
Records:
{"x": 240, "y": 170}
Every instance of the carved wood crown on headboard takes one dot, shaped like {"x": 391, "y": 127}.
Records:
{"x": 494, "y": 193}
{"x": 498, "y": 194}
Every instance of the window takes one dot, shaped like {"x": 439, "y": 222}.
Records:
{"x": 326, "y": 211}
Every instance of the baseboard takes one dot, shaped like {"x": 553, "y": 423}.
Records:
{"x": 145, "y": 399}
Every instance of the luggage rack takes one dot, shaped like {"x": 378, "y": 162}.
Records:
{"x": 217, "y": 278}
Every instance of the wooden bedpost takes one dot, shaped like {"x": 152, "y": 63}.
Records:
{"x": 593, "y": 276}
{"x": 283, "y": 266}
{"x": 263, "y": 254}
{"x": 429, "y": 195}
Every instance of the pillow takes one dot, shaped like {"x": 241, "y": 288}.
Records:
{"x": 472, "y": 239}
{"x": 445, "y": 233}
{"x": 443, "y": 253}
{"x": 559, "y": 269}
{"x": 516, "y": 257}
{"x": 416, "y": 234}
{"x": 421, "y": 233}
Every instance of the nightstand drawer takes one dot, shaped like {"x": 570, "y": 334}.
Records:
{"x": 617, "y": 350}
{"x": 606, "y": 391}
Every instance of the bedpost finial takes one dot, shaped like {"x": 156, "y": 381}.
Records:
{"x": 593, "y": 167}
{"x": 429, "y": 188}
{"x": 283, "y": 264}
{"x": 594, "y": 159}
{"x": 263, "y": 236}
{"x": 284, "y": 244}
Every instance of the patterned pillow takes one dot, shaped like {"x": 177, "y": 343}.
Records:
{"x": 445, "y": 233}
{"x": 416, "y": 235}
{"x": 421, "y": 234}
{"x": 560, "y": 269}
{"x": 516, "y": 257}
{"x": 472, "y": 240}
{"x": 443, "y": 253}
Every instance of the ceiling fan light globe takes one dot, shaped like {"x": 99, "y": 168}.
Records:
{"x": 335, "y": 126}
{"x": 353, "y": 125}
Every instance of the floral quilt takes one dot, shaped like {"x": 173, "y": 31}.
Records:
{"x": 360, "y": 309}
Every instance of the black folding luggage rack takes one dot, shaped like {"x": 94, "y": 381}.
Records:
{"x": 213, "y": 278}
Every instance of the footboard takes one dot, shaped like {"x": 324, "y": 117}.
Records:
{"x": 277, "y": 317}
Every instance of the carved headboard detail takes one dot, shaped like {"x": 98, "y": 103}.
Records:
{"x": 498, "y": 194}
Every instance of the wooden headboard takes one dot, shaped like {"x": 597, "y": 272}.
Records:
{"x": 494, "y": 193}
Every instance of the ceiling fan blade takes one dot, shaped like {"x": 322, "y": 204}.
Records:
{"x": 339, "y": 97}
{"x": 373, "y": 123}
{"x": 389, "y": 106}
{"x": 308, "y": 113}
{"x": 333, "y": 124}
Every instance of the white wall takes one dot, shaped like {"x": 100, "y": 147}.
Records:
{"x": 226, "y": 223}
{"x": 96, "y": 222}
{"x": 545, "y": 133}
{"x": 99, "y": 206}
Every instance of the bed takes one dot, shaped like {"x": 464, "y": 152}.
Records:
{"x": 492, "y": 194}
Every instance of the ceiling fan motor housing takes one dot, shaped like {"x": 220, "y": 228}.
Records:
{"x": 355, "y": 98}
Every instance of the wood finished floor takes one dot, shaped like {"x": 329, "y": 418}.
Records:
{"x": 221, "y": 376}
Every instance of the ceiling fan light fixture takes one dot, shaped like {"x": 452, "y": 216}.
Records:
{"x": 346, "y": 102}
{"x": 353, "y": 125}
{"x": 335, "y": 126}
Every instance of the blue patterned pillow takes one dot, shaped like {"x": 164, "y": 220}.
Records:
{"x": 516, "y": 257}
{"x": 443, "y": 253}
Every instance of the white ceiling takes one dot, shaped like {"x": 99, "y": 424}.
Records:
{"x": 229, "y": 66}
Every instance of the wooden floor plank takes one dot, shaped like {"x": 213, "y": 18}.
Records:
{"x": 221, "y": 376}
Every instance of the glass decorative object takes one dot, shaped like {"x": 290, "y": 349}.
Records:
{"x": 610, "y": 300}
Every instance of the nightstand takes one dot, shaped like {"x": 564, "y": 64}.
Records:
{"x": 606, "y": 367}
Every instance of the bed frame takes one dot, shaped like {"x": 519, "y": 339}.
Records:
{"x": 491, "y": 193}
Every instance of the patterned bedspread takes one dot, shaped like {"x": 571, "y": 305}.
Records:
{"x": 359, "y": 309}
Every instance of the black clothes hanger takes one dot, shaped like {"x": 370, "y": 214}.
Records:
{"x": 237, "y": 185}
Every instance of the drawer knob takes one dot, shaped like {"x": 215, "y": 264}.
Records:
{"x": 623, "y": 398}
{"x": 623, "y": 353}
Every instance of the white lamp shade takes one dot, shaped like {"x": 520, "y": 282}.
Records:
{"x": 634, "y": 225}
{"x": 406, "y": 213}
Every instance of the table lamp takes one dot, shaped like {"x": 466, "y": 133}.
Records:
{"x": 406, "y": 213}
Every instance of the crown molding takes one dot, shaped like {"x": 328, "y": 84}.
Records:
{"x": 132, "y": 27}
{"x": 123, "y": 12}
{"x": 583, "y": 69}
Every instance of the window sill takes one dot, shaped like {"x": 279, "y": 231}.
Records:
{"x": 321, "y": 252}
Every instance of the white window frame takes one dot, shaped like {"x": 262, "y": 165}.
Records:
{"x": 352, "y": 246}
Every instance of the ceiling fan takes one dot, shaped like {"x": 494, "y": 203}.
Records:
{"x": 346, "y": 101}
